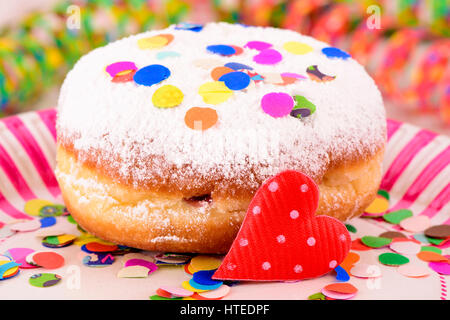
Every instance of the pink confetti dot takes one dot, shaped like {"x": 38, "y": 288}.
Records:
{"x": 294, "y": 214}
{"x": 333, "y": 264}
{"x": 281, "y": 239}
{"x": 273, "y": 186}
{"x": 258, "y": 45}
{"x": 268, "y": 56}
{"x": 311, "y": 241}
{"x": 266, "y": 266}
{"x": 256, "y": 210}
{"x": 277, "y": 104}
{"x": 298, "y": 268}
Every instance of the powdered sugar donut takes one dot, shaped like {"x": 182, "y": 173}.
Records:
{"x": 164, "y": 137}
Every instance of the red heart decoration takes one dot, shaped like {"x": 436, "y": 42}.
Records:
{"x": 281, "y": 238}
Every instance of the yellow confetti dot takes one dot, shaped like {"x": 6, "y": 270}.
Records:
{"x": 379, "y": 205}
{"x": 66, "y": 238}
{"x": 204, "y": 263}
{"x": 214, "y": 92}
{"x": 86, "y": 238}
{"x": 187, "y": 286}
{"x": 295, "y": 47}
{"x": 33, "y": 207}
{"x": 154, "y": 42}
{"x": 11, "y": 271}
{"x": 167, "y": 96}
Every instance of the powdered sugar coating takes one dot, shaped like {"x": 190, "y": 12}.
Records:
{"x": 119, "y": 121}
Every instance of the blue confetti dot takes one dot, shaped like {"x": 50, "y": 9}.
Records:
{"x": 236, "y": 80}
{"x": 221, "y": 49}
{"x": 237, "y": 66}
{"x": 341, "y": 274}
{"x": 167, "y": 54}
{"x": 151, "y": 75}
{"x": 203, "y": 287}
{"x": 189, "y": 26}
{"x": 204, "y": 277}
{"x": 47, "y": 222}
{"x": 332, "y": 52}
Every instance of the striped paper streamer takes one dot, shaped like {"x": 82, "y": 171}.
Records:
{"x": 416, "y": 166}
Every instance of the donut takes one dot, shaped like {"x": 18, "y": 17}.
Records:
{"x": 164, "y": 137}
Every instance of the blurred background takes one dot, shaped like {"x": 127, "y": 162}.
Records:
{"x": 404, "y": 44}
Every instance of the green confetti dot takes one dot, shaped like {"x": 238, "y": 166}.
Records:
{"x": 71, "y": 219}
{"x": 43, "y": 280}
{"x": 156, "y": 297}
{"x": 375, "y": 242}
{"x": 384, "y": 194}
{"x": 395, "y": 217}
{"x": 435, "y": 241}
{"x": 350, "y": 228}
{"x": 392, "y": 259}
{"x": 432, "y": 249}
{"x": 317, "y": 296}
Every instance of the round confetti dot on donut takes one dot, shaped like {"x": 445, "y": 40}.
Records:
{"x": 217, "y": 72}
{"x": 221, "y": 49}
{"x": 268, "y": 57}
{"x": 124, "y": 77}
{"x": 258, "y": 45}
{"x": 167, "y": 96}
{"x": 155, "y": 42}
{"x": 214, "y": 92}
{"x": 48, "y": 260}
{"x": 296, "y": 47}
{"x": 115, "y": 68}
{"x": 277, "y": 104}
{"x": 238, "y": 50}
{"x": 332, "y": 52}
{"x": 198, "y": 118}
{"x": 44, "y": 280}
{"x": 236, "y": 80}
{"x": 237, "y": 66}
{"x": 151, "y": 75}
{"x": 167, "y": 54}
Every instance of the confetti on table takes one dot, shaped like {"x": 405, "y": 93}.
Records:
{"x": 440, "y": 267}
{"x": 268, "y": 57}
{"x": 378, "y": 206}
{"x": 375, "y": 242}
{"x": 44, "y": 280}
{"x": 277, "y": 104}
{"x": 143, "y": 263}
{"x": 167, "y": 96}
{"x": 395, "y": 217}
{"x": 416, "y": 223}
{"x": 392, "y": 235}
{"x": 19, "y": 255}
{"x": 151, "y": 75}
{"x": 26, "y": 226}
{"x": 34, "y": 206}
{"x": 48, "y": 259}
{"x": 341, "y": 274}
{"x": 359, "y": 246}
{"x": 392, "y": 259}
{"x": 58, "y": 241}
{"x": 207, "y": 63}
{"x": 441, "y": 231}
{"x": 349, "y": 261}
{"x": 430, "y": 256}
{"x": 235, "y": 80}
{"x": 186, "y": 285}
{"x": 47, "y": 222}
{"x": 351, "y": 228}
{"x": 100, "y": 247}
{"x": 8, "y": 269}
{"x": 405, "y": 247}
{"x": 135, "y": 271}
{"x": 364, "y": 270}
{"x": 215, "y": 294}
{"x": 202, "y": 262}
{"x": 317, "y": 296}
{"x": 296, "y": 47}
{"x": 432, "y": 249}
{"x": 98, "y": 260}
{"x": 332, "y": 52}
{"x": 413, "y": 271}
{"x": 384, "y": 194}
{"x": 214, "y": 92}
{"x": 203, "y": 277}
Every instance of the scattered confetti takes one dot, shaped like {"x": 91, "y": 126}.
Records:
{"x": 19, "y": 255}
{"x": 317, "y": 296}
{"x": 405, "y": 247}
{"x": 173, "y": 258}
{"x": 53, "y": 210}
{"x": 392, "y": 259}
{"x": 416, "y": 223}
{"x": 215, "y": 294}
{"x": 332, "y": 52}
{"x": 207, "y": 63}
{"x": 378, "y": 206}
{"x": 186, "y": 285}
{"x": 337, "y": 295}
{"x": 197, "y": 286}
{"x": 430, "y": 256}
{"x": 384, "y": 194}
{"x": 203, "y": 277}
{"x": 258, "y": 45}
{"x": 364, "y": 270}
{"x": 440, "y": 232}
{"x": 315, "y": 75}
{"x": 350, "y": 228}
{"x": 195, "y": 27}
{"x": 151, "y": 267}
{"x": 176, "y": 291}
{"x": 155, "y": 42}
{"x": 413, "y": 271}
{"x": 214, "y": 92}
{"x": 440, "y": 267}
{"x": 98, "y": 260}
{"x": 8, "y": 269}
{"x": 359, "y": 246}
{"x": 341, "y": 274}
{"x": 33, "y": 207}
{"x": 198, "y": 118}
{"x": 432, "y": 249}
{"x": 221, "y": 49}
{"x": 44, "y": 280}
{"x": 202, "y": 262}
{"x": 350, "y": 260}
{"x": 395, "y": 217}
{"x": 296, "y": 47}
{"x": 167, "y": 54}
{"x": 268, "y": 57}
{"x": 303, "y": 107}
{"x": 375, "y": 242}
{"x": 235, "y": 80}
{"x": 218, "y": 72}
{"x": 392, "y": 235}
{"x": 47, "y": 222}
{"x": 237, "y": 66}
{"x": 26, "y": 226}
{"x": 277, "y": 104}
{"x": 151, "y": 75}
{"x": 167, "y": 96}
{"x": 48, "y": 259}
{"x": 96, "y": 247}
{"x": 135, "y": 271}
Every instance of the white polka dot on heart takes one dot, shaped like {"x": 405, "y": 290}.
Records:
{"x": 266, "y": 265}
{"x": 256, "y": 210}
{"x": 304, "y": 188}
{"x": 311, "y": 241}
{"x": 333, "y": 264}
{"x": 243, "y": 242}
{"x": 294, "y": 214}
{"x": 273, "y": 186}
{"x": 231, "y": 266}
{"x": 342, "y": 237}
{"x": 298, "y": 268}
{"x": 281, "y": 239}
